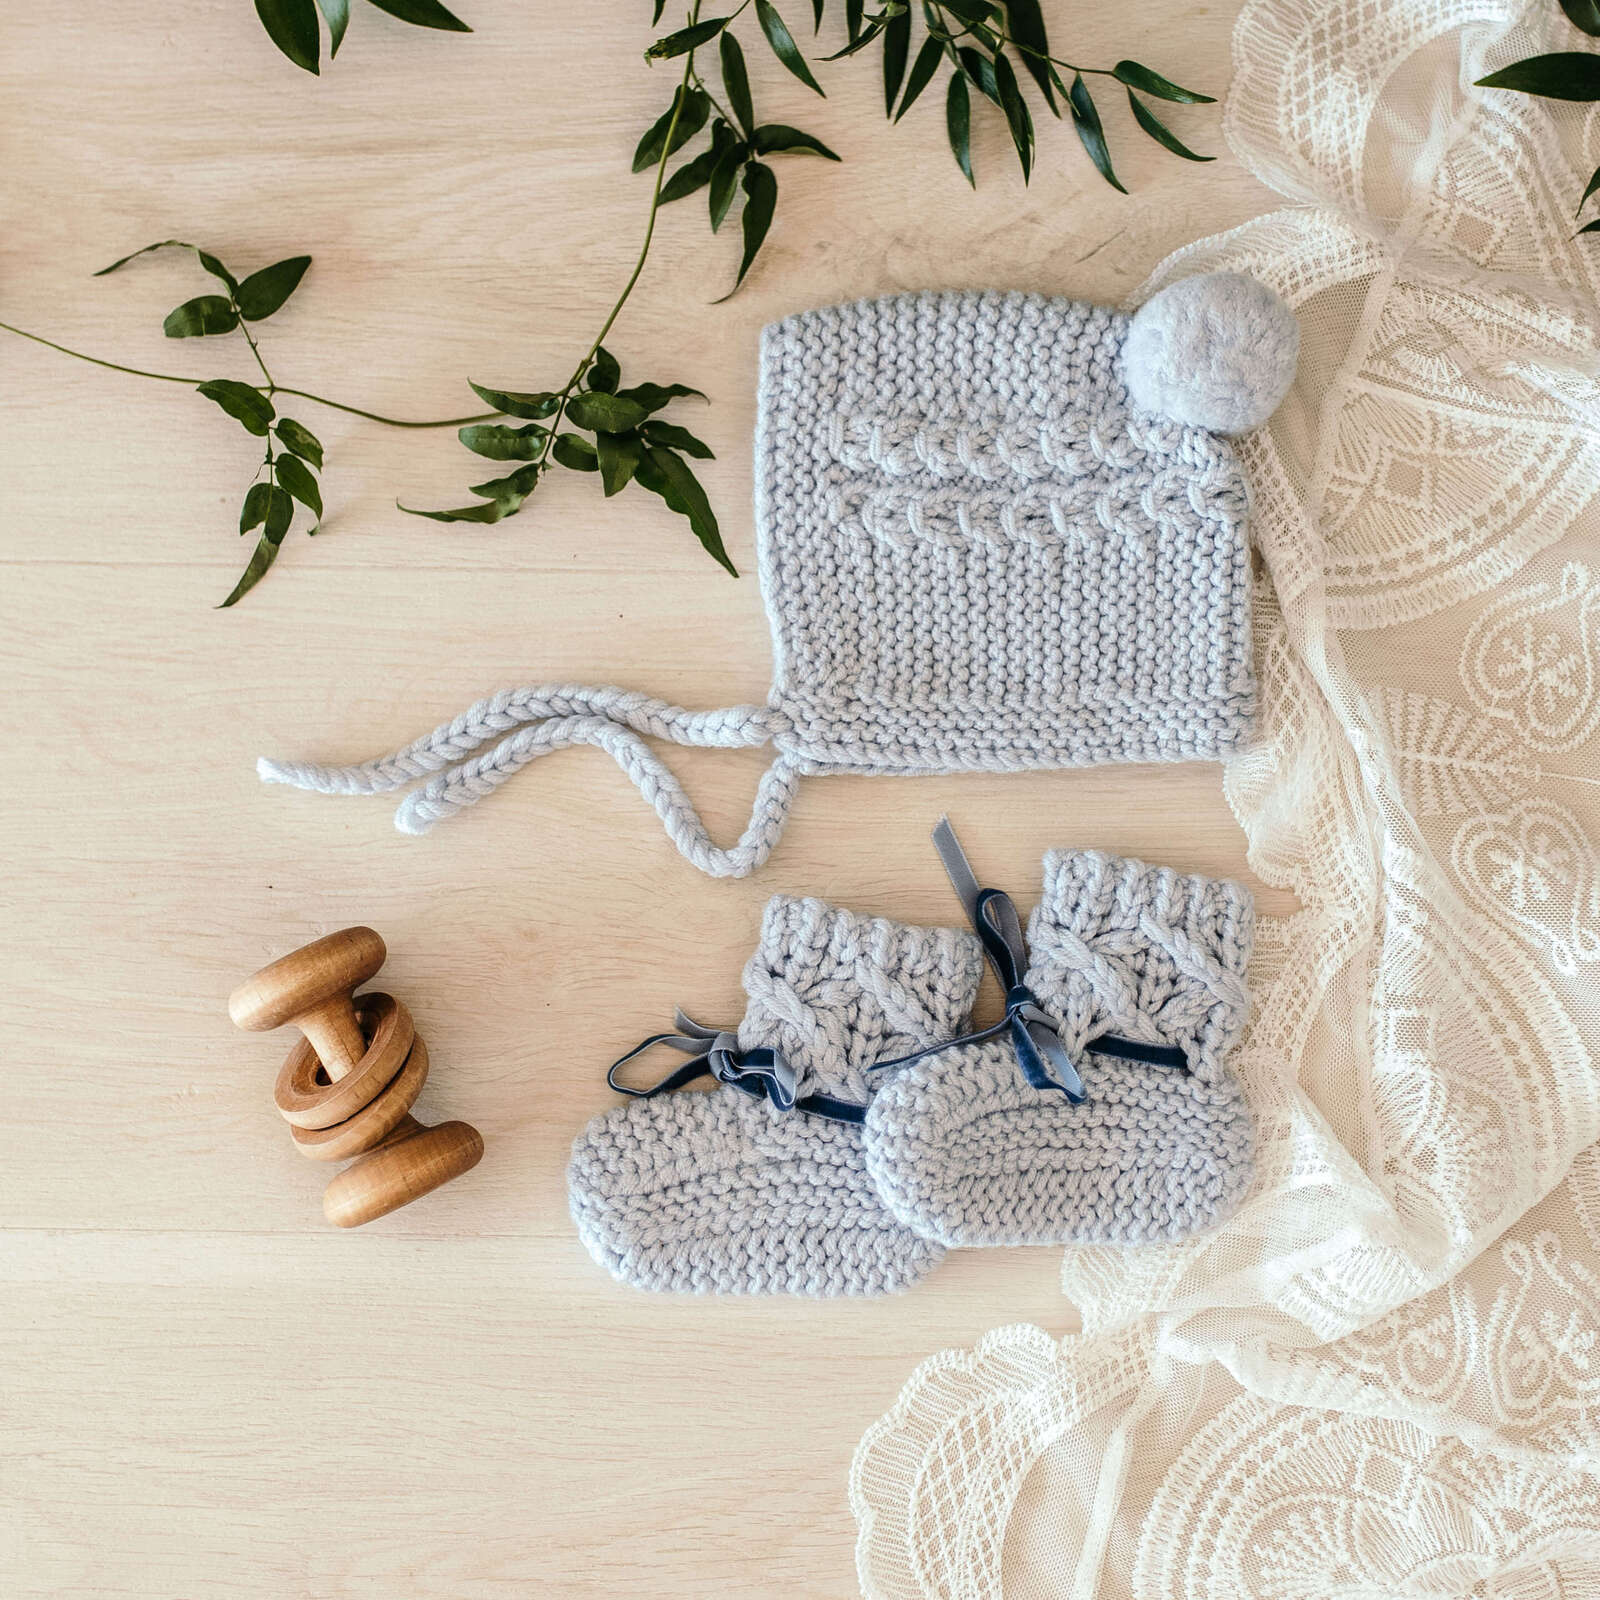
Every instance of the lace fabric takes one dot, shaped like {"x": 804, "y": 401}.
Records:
{"x": 1381, "y": 1377}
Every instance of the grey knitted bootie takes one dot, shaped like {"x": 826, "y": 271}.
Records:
{"x": 965, "y": 1150}
{"x": 723, "y": 1191}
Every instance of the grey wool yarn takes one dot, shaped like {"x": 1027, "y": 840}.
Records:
{"x": 996, "y": 531}
{"x": 719, "y": 1192}
{"x": 963, "y": 1150}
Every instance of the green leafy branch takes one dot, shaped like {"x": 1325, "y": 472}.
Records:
{"x": 628, "y": 443}
{"x": 292, "y": 453}
{"x": 292, "y": 25}
{"x": 1562, "y": 75}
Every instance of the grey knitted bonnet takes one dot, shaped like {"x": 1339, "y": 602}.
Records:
{"x": 996, "y": 532}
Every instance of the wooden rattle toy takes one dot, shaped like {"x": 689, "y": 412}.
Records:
{"x": 347, "y": 1086}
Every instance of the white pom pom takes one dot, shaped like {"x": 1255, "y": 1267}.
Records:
{"x": 1216, "y": 351}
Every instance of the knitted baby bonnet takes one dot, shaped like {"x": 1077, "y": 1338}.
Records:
{"x": 744, "y": 1189}
{"x": 996, "y": 531}
{"x": 1151, "y": 963}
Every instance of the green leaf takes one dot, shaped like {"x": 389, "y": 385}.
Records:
{"x": 1583, "y": 14}
{"x": 280, "y": 513}
{"x": 496, "y": 442}
{"x": 677, "y": 438}
{"x": 300, "y": 440}
{"x": 492, "y": 512}
{"x": 207, "y": 313}
{"x": 1161, "y": 133}
{"x": 1589, "y": 189}
{"x": 980, "y": 69}
{"x": 292, "y": 26}
{"x": 696, "y": 108}
{"x": 653, "y": 396}
{"x": 818, "y": 7}
{"x": 338, "y": 14}
{"x": 262, "y": 557}
{"x": 670, "y": 476}
{"x": 217, "y": 270}
{"x": 761, "y": 200}
{"x": 1566, "y": 75}
{"x": 1025, "y": 24}
{"x": 133, "y": 255}
{"x": 512, "y": 404}
{"x": 618, "y": 454}
{"x": 264, "y": 292}
{"x": 242, "y": 402}
{"x": 854, "y": 10}
{"x": 776, "y": 137}
{"x": 254, "y": 511}
{"x": 737, "y": 82}
{"x": 1133, "y": 76}
{"x": 656, "y": 10}
{"x": 973, "y": 12}
{"x": 295, "y": 476}
{"x": 1017, "y": 116}
{"x": 783, "y": 45}
{"x": 922, "y": 71}
{"x": 604, "y": 373}
{"x": 1087, "y": 121}
{"x": 1589, "y": 227}
{"x": 424, "y": 14}
{"x": 691, "y": 176}
{"x": 860, "y": 43}
{"x": 686, "y": 39}
{"x": 514, "y": 488}
{"x": 725, "y": 179}
{"x": 896, "y": 48}
{"x": 958, "y": 122}
{"x": 573, "y": 450}
{"x": 615, "y": 413}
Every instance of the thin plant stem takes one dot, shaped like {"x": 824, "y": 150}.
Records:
{"x": 644, "y": 247}
{"x": 194, "y": 383}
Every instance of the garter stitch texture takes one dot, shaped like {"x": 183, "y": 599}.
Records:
{"x": 718, "y": 1192}
{"x": 963, "y": 1150}
{"x": 977, "y": 552}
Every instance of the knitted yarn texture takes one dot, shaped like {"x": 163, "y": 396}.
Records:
{"x": 990, "y": 539}
{"x": 719, "y": 1192}
{"x": 963, "y": 1150}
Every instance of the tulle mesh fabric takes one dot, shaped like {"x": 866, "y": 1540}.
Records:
{"x": 1381, "y": 1378}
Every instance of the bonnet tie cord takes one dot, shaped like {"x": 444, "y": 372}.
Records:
{"x": 715, "y": 1053}
{"x": 1035, "y": 1035}
{"x": 532, "y": 722}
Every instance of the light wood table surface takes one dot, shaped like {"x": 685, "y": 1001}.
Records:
{"x": 207, "y": 1391}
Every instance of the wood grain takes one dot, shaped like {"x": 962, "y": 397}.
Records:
{"x": 210, "y": 1393}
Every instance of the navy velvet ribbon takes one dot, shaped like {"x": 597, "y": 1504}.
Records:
{"x": 1040, "y": 1053}
{"x": 715, "y": 1053}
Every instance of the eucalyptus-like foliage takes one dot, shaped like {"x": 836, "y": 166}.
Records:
{"x": 1561, "y": 75}
{"x": 292, "y": 455}
{"x": 293, "y": 25}
{"x": 987, "y": 47}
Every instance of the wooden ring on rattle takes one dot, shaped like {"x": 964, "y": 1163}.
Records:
{"x": 306, "y": 1103}
{"x": 375, "y": 1121}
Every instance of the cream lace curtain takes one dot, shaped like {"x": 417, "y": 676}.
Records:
{"x": 1382, "y": 1377}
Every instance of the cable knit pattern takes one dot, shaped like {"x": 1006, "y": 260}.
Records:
{"x": 976, "y": 554}
{"x": 720, "y": 1192}
{"x": 962, "y": 1149}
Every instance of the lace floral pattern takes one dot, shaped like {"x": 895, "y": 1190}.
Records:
{"x": 1382, "y": 1376}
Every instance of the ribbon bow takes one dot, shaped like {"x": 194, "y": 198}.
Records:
{"x": 1043, "y": 1058}
{"x": 715, "y": 1053}
{"x": 1035, "y": 1035}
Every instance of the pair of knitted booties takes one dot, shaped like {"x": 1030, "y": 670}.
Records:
{"x": 856, "y": 1133}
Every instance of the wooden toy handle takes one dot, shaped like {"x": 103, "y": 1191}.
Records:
{"x": 347, "y": 1088}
